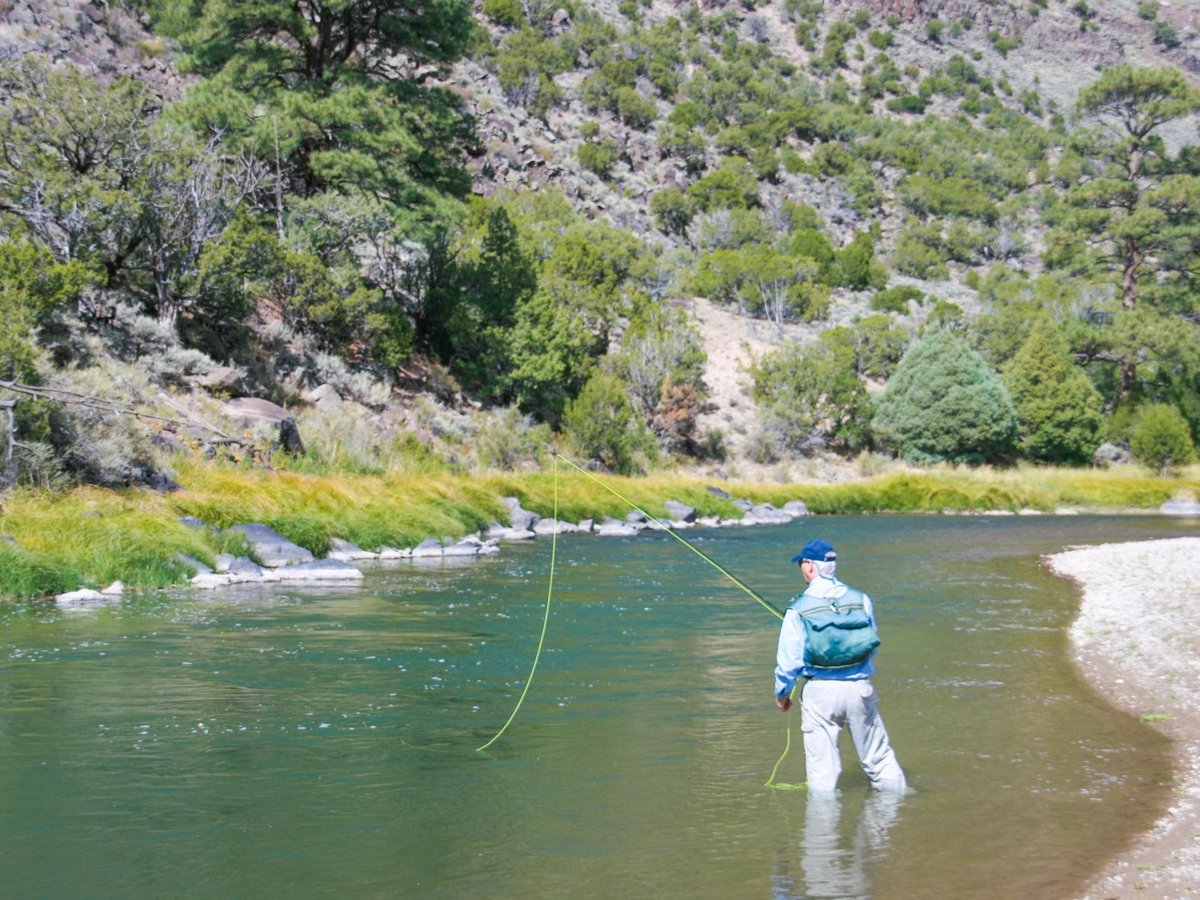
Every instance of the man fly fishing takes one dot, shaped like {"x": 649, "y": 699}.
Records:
{"x": 828, "y": 638}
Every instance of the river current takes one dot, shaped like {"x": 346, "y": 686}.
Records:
{"x": 323, "y": 741}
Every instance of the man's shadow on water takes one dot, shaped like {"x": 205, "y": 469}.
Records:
{"x": 844, "y": 836}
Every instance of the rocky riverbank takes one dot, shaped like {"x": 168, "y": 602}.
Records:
{"x": 277, "y": 559}
{"x": 1153, "y": 672}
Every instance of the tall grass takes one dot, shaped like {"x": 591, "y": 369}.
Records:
{"x": 91, "y": 537}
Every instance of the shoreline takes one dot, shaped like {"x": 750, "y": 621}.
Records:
{"x": 1147, "y": 672}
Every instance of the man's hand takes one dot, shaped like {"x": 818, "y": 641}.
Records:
{"x": 784, "y": 703}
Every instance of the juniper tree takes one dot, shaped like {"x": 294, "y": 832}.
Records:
{"x": 944, "y": 404}
{"x": 1058, "y": 408}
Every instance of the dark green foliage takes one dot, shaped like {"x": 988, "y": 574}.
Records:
{"x": 810, "y": 397}
{"x": 944, "y": 404}
{"x": 1058, "y": 409}
{"x": 896, "y": 299}
{"x": 603, "y": 425}
{"x": 732, "y": 185}
{"x": 598, "y": 157}
{"x": 672, "y": 210}
{"x": 32, "y": 284}
{"x": 1160, "y": 439}
{"x": 320, "y": 85}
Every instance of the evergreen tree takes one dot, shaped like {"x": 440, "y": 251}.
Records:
{"x": 1160, "y": 438}
{"x": 602, "y": 424}
{"x": 944, "y": 404}
{"x": 334, "y": 90}
{"x": 1136, "y": 217}
{"x": 1058, "y": 409}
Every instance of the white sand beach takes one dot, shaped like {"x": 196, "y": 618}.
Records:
{"x": 1152, "y": 673}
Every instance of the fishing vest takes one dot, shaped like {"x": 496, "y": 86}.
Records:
{"x": 838, "y": 633}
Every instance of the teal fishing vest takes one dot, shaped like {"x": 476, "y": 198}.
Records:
{"x": 838, "y": 633}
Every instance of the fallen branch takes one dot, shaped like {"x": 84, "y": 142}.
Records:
{"x": 60, "y": 395}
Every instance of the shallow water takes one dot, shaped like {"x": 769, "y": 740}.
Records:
{"x": 310, "y": 742}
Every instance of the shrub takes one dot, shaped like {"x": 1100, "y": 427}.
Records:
{"x": 672, "y": 210}
{"x": 1160, "y": 439}
{"x": 895, "y": 299}
{"x": 603, "y": 425}
{"x": 504, "y": 12}
{"x": 598, "y": 157}
{"x": 1058, "y": 409}
{"x": 944, "y": 404}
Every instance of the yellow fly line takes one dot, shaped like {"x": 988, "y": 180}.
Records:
{"x": 771, "y": 783}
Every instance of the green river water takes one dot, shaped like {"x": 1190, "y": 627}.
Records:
{"x": 321, "y": 742}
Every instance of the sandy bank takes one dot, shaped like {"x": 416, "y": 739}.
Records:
{"x": 1149, "y": 672}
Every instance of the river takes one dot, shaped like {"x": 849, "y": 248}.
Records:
{"x": 323, "y": 741}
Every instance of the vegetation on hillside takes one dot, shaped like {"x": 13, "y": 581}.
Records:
{"x": 304, "y": 215}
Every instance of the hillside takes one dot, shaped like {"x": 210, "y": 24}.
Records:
{"x": 718, "y": 205}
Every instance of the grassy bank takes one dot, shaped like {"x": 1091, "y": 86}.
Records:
{"x": 91, "y": 537}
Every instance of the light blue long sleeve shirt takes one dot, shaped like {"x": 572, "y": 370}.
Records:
{"x": 789, "y": 659}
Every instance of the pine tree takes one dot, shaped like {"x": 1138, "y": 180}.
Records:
{"x": 944, "y": 404}
{"x": 1058, "y": 409}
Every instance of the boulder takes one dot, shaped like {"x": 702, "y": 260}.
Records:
{"x": 222, "y": 379}
{"x": 586, "y": 526}
{"x": 252, "y": 410}
{"x": 82, "y": 599}
{"x": 427, "y": 548}
{"x": 615, "y": 528}
{"x": 766, "y": 514}
{"x": 348, "y": 552}
{"x": 1180, "y": 506}
{"x": 395, "y": 553}
{"x": 680, "y": 512}
{"x": 517, "y": 534}
{"x": 1111, "y": 455}
{"x": 552, "y": 526}
{"x": 207, "y": 581}
{"x": 796, "y": 509}
{"x": 225, "y": 560}
{"x": 744, "y": 505}
{"x": 718, "y": 492}
{"x": 194, "y": 564}
{"x": 271, "y": 548}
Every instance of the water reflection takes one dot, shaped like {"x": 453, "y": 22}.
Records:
{"x": 836, "y": 858}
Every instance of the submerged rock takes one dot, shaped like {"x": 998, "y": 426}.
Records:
{"x": 320, "y": 570}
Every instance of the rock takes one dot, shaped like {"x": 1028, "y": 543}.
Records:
{"x": 221, "y": 379}
{"x": 224, "y": 561}
{"x": 116, "y": 589}
{"x": 191, "y": 522}
{"x": 427, "y": 548}
{"x": 194, "y": 564}
{"x": 718, "y": 492}
{"x": 744, "y": 505}
{"x": 1111, "y": 455}
{"x": 348, "y": 552}
{"x": 1180, "y": 506}
{"x": 272, "y": 549}
{"x": 468, "y": 546}
{"x": 615, "y": 528}
{"x": 244, "y": 568}
{"x": 586, "y": 526}
{"x": 254, "y": 409}
{"x": 320, "y": 570}
{"x": 636, "y": 517}
{"x": 517, "y": 534}
{"x": 551, "y": 526}
{"x": 325, "y": 398}
{"x": 82, "y": 599}
{"x": 394, "y": 553}
{"x": 209, "y": 580}
{"x": 709, "y": 521}
{"x": 765, "y": 514}
{"x": 495, "y": 530}
{"x": 680, "y": 512}
{"x": 796, "y": 509}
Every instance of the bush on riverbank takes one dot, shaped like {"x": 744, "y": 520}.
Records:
{"x": 92, "y": 537}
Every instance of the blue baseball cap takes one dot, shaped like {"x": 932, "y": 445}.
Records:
{"x": 818, "y": 550}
